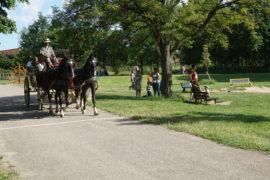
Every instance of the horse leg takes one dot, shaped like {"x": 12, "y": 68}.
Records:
{"x": 78, "y": 101}
{"x": 50, "y": 101}
{"x": 66, "y": 98}
{"x": 56, "y": 102}
{"x": 93, "y": 91}
{"x": 61, "y": 107}
{"x": 83, "y": 100}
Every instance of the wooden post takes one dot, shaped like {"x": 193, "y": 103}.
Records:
{"x": 19, "y": 71}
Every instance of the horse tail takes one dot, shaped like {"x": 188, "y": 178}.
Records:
{"x": 97, "y": 85}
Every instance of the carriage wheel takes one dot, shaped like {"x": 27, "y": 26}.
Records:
{"x": 71, "y": 96}
{"x": 26, "y": 92}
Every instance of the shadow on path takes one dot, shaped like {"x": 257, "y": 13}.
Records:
{"x": 13, "y": 108}
{"x": 196, "y": 117}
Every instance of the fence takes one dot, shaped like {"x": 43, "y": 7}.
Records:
{"x": 5, "y": 74}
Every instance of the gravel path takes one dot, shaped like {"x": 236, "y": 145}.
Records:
{"x": 44, "y": 147}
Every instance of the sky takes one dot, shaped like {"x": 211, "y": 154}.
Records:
{"x": 24, "y": 15}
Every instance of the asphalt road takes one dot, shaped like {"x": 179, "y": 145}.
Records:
{"x": 87, "y": 147}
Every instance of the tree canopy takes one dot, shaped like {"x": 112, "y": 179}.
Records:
{"x": 7, "y": 25}
{"x": 123, "y": 32}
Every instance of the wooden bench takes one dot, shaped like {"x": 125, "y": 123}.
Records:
{"x": 203, "y": 97}
{"x": 240, "y": 81}
{"x": 185, "y": 85}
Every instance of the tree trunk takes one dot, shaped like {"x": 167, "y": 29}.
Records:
{"x": 141, "y": 64}
{"x": 166, "y": 59}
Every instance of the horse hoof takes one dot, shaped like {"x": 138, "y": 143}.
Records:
{"x": 84, "y": 111}
{"x": 62, "y": 115}
{"x": 96, "y": 113}
{"x": 77, "y": 106}
{"x": 65, "y": 109}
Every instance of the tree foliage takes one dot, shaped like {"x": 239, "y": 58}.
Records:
{"x": 172, "y": 24}
{"x": 32, "y": 37}
{"x": 7, "y": 25}
{"x": 139, "y": 32}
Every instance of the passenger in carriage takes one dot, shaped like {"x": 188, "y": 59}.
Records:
{"x": 48, "y": 53}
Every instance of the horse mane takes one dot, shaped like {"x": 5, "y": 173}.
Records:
{"x": 86, "y": 71}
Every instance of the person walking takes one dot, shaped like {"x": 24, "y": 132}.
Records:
{"x": 183, "y": 69}
{"x": 138, "y": 83}
{"x": 132, "y": 76}
{"x": 156, "y": 81}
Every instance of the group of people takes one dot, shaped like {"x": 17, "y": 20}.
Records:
{"x": 153, "y": 82}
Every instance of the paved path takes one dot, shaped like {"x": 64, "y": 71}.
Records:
{"x": 44, "y": 147}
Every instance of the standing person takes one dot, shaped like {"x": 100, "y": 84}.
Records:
{"x": 193, "y": 75}
{"x": 138, "y": 83}
{"x": 183, "y": 69}
{"x": 132, "y": 76}
{"x": 156, "y": 81}
{"x": 149, "y": 80}
{"x": 48, "y": 53}
{"x": 194, "y": 80}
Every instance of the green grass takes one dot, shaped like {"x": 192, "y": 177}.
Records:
{"x": 243, "y": 124}
{"x": 7, "y": 174}
{"x": 4, "y": 82}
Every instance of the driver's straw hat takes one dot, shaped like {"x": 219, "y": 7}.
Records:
{"x": 47, "y": 40}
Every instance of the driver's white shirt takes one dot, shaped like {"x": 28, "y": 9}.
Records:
{"x": 47, "y": 51}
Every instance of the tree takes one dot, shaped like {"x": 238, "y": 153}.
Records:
{"x": 32, "y": 37}
{"x": 206, "y": 60}
{"x": 6, "y": 62}
{"x": 172, "y": 24}
{"x": 7, "y": 25}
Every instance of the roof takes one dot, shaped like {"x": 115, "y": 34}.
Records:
{"x": 10, "y": 52}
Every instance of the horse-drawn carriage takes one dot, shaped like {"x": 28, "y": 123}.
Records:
{"x": 61, "y": 80}
{"x": 31, "y": 81}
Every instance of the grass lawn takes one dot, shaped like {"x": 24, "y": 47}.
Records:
{"x": 4, "y": 82}
{"x": 243, "y": 124}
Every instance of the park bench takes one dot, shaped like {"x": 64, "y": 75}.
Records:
{"x": 240, "y": 81}
{"x": 203, "y": 97}
{"x": 185, "y": 85}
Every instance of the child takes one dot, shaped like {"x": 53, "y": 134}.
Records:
{"x": 148, "y": 90}
{"x": 206, "y": 88}
{"x": 138, "y": 83}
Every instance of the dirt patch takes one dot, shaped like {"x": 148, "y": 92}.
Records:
{"x": 225, "y": 103}
{"x": 257, "y": 89}
{"x": 245, "y": 89}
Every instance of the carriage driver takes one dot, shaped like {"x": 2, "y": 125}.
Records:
{"x": 48, "y": 53}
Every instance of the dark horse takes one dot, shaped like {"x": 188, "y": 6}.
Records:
{"x": 58, "y": 79}
{"x": 86, "y": 78}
